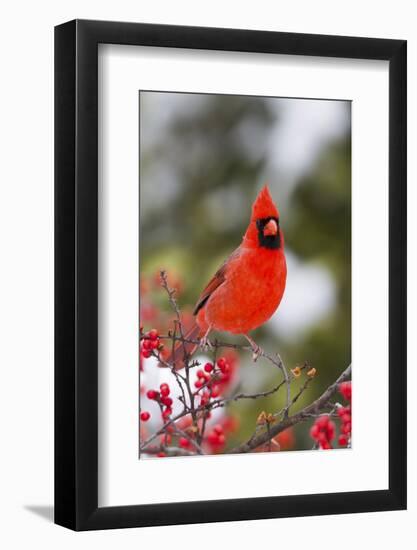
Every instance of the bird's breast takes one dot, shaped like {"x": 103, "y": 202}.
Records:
{"x": 251, "y": 293}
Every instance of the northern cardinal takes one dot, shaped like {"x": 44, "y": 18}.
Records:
{"x": 247, "y": 289}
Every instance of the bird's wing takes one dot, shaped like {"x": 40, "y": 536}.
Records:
{"x": 218, "y": 279}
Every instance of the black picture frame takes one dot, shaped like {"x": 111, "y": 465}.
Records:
{"x": 76, "y": 272}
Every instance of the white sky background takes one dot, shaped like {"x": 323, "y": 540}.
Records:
{"x": 303, "y": 129}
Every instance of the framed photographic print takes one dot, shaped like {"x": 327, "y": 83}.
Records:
{"x": 230, "y": 235}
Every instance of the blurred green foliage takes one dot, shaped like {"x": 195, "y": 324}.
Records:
{"x": 198, "y": 178}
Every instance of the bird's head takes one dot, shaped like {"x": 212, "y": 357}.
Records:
{"x": 264, "y": 227}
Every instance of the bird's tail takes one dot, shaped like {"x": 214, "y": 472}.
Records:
{"x": 181, "y": 349}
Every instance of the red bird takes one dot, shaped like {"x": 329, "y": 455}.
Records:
{"x": 248, "y": 288}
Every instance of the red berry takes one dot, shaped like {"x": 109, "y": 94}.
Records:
{"x": 322, "y": 437}
{"x": 215, "y": 391}
{"x": 342, "y": 410}
{"x": 153, "y": 334}
{"x": 314, "y": 431}
{"x": 208, "y": 367}
{"x": 322, "y": 422}
{"x": 330, "y": 430}
{"x": 204, "y": 401}
{"x": 166, "y": 401}
{"x": 326, "y": 445}
{"x": 167, "y": 412}
{"x": 221, "y": 439}
{"x": 218, "y": 428}
{"x": 346, "y": 428}
{"x": 152, "y": 394}
{"x": 346, "y": 418}
{"x": 145, "y": 416}
{"x": 154, "y": 343}
{"x": 146, "y": 344}
{"x": 198, "y": 383}
{"x": 146, "y": 353}
{"x": 221, "y": 363}
{"x": 161, "y": 454}
{"x": 200, "y": 373}
{"x": 184, "y": 442}
{"x": 345, "y": 388}
{"x": 164, "y": 390}
{"x": 343, "y": 440}
{"x": 213, "y": 438}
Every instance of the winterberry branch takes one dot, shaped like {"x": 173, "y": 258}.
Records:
{"x": 316, "y": 407}
{"x": 197, "y": 404}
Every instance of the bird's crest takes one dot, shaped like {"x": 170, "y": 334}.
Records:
{"x": 264, "y": 206}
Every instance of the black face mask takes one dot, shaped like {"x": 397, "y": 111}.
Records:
{"x": 272, "y": 242}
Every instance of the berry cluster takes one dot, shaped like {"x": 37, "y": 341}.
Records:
{"x": 191, "y": 431}
{"x": 217, "y": 435}
{"x": 345, "y": 414}
{"x": 214, "y": 441}
{"x": 214, "y": 378}
{"x": 216, "y": 438}
{"x": 323, "y": 431}
{"x": 150, "y": 342}
{"x": 163, "y": 399}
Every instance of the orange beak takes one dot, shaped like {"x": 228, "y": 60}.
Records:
{"x": 271, "y": 228}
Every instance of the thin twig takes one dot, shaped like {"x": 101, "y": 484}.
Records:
{"x": 173, "y": 301}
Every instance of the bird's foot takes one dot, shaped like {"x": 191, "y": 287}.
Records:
{"x": 205, "y": 343}
{"x": 257, "y": 351}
